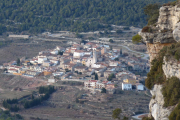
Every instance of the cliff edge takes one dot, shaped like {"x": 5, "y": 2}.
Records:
{"x": 165, "y": 32}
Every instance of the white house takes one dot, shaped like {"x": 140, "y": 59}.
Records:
{"x": 51, "y": 80}
{"x": 139, "y": 86}
{"x": 41, "y": 59}
{"x": 78, "y": 53}
{"x": 126, "y": 86}
{"x": 90, "y": 84}
{"x": 55, "y": 52}
{"x": 58, "y": 74}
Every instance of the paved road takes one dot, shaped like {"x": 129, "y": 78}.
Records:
{"x": 137, "y": 116}
{"x": 144, "y": 55}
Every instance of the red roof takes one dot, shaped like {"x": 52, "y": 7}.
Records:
{"x": 92, "y": 80}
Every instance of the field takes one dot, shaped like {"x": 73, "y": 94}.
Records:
{"x": 63, "y": 105}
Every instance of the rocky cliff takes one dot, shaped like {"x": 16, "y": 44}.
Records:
{"x": 165, "y": 32}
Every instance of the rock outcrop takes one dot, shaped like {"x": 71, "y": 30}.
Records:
{"x": 156, "y": 105}
{"x": 166, "y": 31}
{"x": 171, "y": 67}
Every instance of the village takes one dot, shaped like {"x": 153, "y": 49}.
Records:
{"x": 98, "y": 66}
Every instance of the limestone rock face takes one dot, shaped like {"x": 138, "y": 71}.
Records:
{"x": 165, "y": 32}
{"x": 156, "y": 104}
{"x": 168, "y": 17}
{"x": 153, "y": 49}
{"x": 171, "y": 67}
{"x": 157, "y": 37}
{"x": 176, "y": 32}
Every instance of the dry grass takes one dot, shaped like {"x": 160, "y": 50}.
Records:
{"x": 62, "y": 105}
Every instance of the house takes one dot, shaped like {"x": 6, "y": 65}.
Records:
{"x": 51, "y": 80}
{"x": 80, "y": 68}
{"x": 130, "y": 80}
{"x": 78, "y": 53}
{"x": 12, "y": 71}
{"x": 58, "y": 74}
{"x": 90, "y": 84}
{"x": 139, "y": 86}
{"x": 126, "y": 86}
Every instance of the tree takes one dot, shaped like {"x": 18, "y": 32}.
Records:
{"x": 111, "y": 76}
{"x": 60, "y": 52}
{"x": 111, "y": 40}
{"x": 120, "y": 51}
{"x": 136, "y": 39}
{"x": 116, "y": 59}
{"x": 18, "y": 62}
{"x": 96, "y": 76}
{"x": 152, "y": 11}
{"x": 116, "y": 113}
{"x": 103, "y": 90}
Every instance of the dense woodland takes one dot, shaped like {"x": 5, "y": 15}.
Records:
{"x": 37, "y": 16}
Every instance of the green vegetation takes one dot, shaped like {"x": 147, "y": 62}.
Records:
{"x": 116, "y": 113}
{"x": 18, "y": 62}
{"x": 103, "y": 90}
{"x": 96, "y": 76}
{"x": 36, "y": 101}
{"x": 60, "y": 52}
{"x": 11, "y": 105}
{"x": 156, "y": 74}
{"x": 136, "y": 39}
{"x": 5, "y": 115}
{"x": 152, "y": 11}
{"x": 37, "y": 16}
{"x": 111, "y": 76}
{"x": 175, "y": 114}
{"x": 171, "y": 3}
{"x": 146, "y": 29}
{"x": 111, "y": 40}
{"x": 171, "y": 92}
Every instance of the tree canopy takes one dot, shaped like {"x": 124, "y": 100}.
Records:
{"x": 37, "y": 16}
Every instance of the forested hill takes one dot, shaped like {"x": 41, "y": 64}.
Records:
{"x": 74, "y": 15}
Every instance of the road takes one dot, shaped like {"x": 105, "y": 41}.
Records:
{"x": 144, "y": 55}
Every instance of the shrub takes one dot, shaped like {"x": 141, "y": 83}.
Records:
{"x": 152, "y": 11}
{"x": 175, "y": 114}
{"x": 171, "y": 92}
{"x": 170, "y": 3}
{"x": 156, "y": 74}
{"x": 147, "y": 29}
{"x": 136, "y": 39}
{"x": 103, "y": 90}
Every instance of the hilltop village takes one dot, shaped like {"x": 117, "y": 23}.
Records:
{"x": 97, "y": 65}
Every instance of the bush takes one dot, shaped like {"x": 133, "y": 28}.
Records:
{"x": 103, "y": 90}
{"x": 111, "y": 40}
{"x": 175, "y": 114}
{"x": 152, "y": 11}
{"x": 156, "y": 74}
{"x": 171, "y": 92}
{"x": 170, "y": 3}
{"x": 147, "y": 29}
{"x": 136, "y": 39}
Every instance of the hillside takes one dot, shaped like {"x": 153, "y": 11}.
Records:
{"x": 37, "y": 16}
